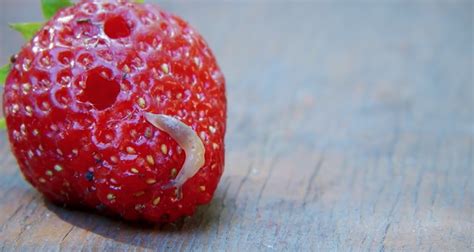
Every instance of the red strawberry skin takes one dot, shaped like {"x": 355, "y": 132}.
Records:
{"x": 75, "y": 100}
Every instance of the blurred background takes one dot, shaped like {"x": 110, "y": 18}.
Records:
{"x": 350, "y": 125}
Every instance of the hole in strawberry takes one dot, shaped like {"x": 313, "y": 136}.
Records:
{"x": 101, "y": 91}
{"x": 116, "y": 27}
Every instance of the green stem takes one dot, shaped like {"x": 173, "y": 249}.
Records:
{"x": 3, "y": 124}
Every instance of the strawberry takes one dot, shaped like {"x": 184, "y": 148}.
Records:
{"x": 120, "y": 107}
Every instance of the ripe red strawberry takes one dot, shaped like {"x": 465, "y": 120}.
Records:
{"x": 78, "y": 100}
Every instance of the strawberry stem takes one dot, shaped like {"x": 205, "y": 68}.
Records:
{"x": 3, "y": 73}
{"x": 27, "y": 30}
{"x": 3, "y": 124}
{"x": 50, "y": 7}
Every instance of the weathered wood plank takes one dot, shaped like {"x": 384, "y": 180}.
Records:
{"x": 351, "y": 127}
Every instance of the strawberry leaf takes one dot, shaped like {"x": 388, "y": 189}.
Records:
{"x": 50, "y": 7}
{"x": 139, "y": 1}
{"x": 27, "y": 30}
{"x": 3, "y": 124}
{"x": 3, "y": 73}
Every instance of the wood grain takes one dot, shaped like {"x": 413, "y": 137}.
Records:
{"x": 351, "y": 127}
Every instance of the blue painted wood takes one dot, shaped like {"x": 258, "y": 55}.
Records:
{"x": 351, "y": 127}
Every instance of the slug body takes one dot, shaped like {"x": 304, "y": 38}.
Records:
{"x": 187, "y": 139}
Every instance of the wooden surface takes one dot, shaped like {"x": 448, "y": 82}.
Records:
{"x": 351, "y": 127}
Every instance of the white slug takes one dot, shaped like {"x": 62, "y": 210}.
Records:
{"x": 187, "y": 138}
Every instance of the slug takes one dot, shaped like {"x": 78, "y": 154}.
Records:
{"x": 187, "y": 139}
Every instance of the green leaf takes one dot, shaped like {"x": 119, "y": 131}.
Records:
{"x": 3, "y": 124}
{"x": 27, "y": 30}
{"x": 3, "y": 73}
{"x": 139, "y": 1}
{"x": 50, "y": 7}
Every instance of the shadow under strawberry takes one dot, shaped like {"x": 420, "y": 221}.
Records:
{"x": 140, "y": 234}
